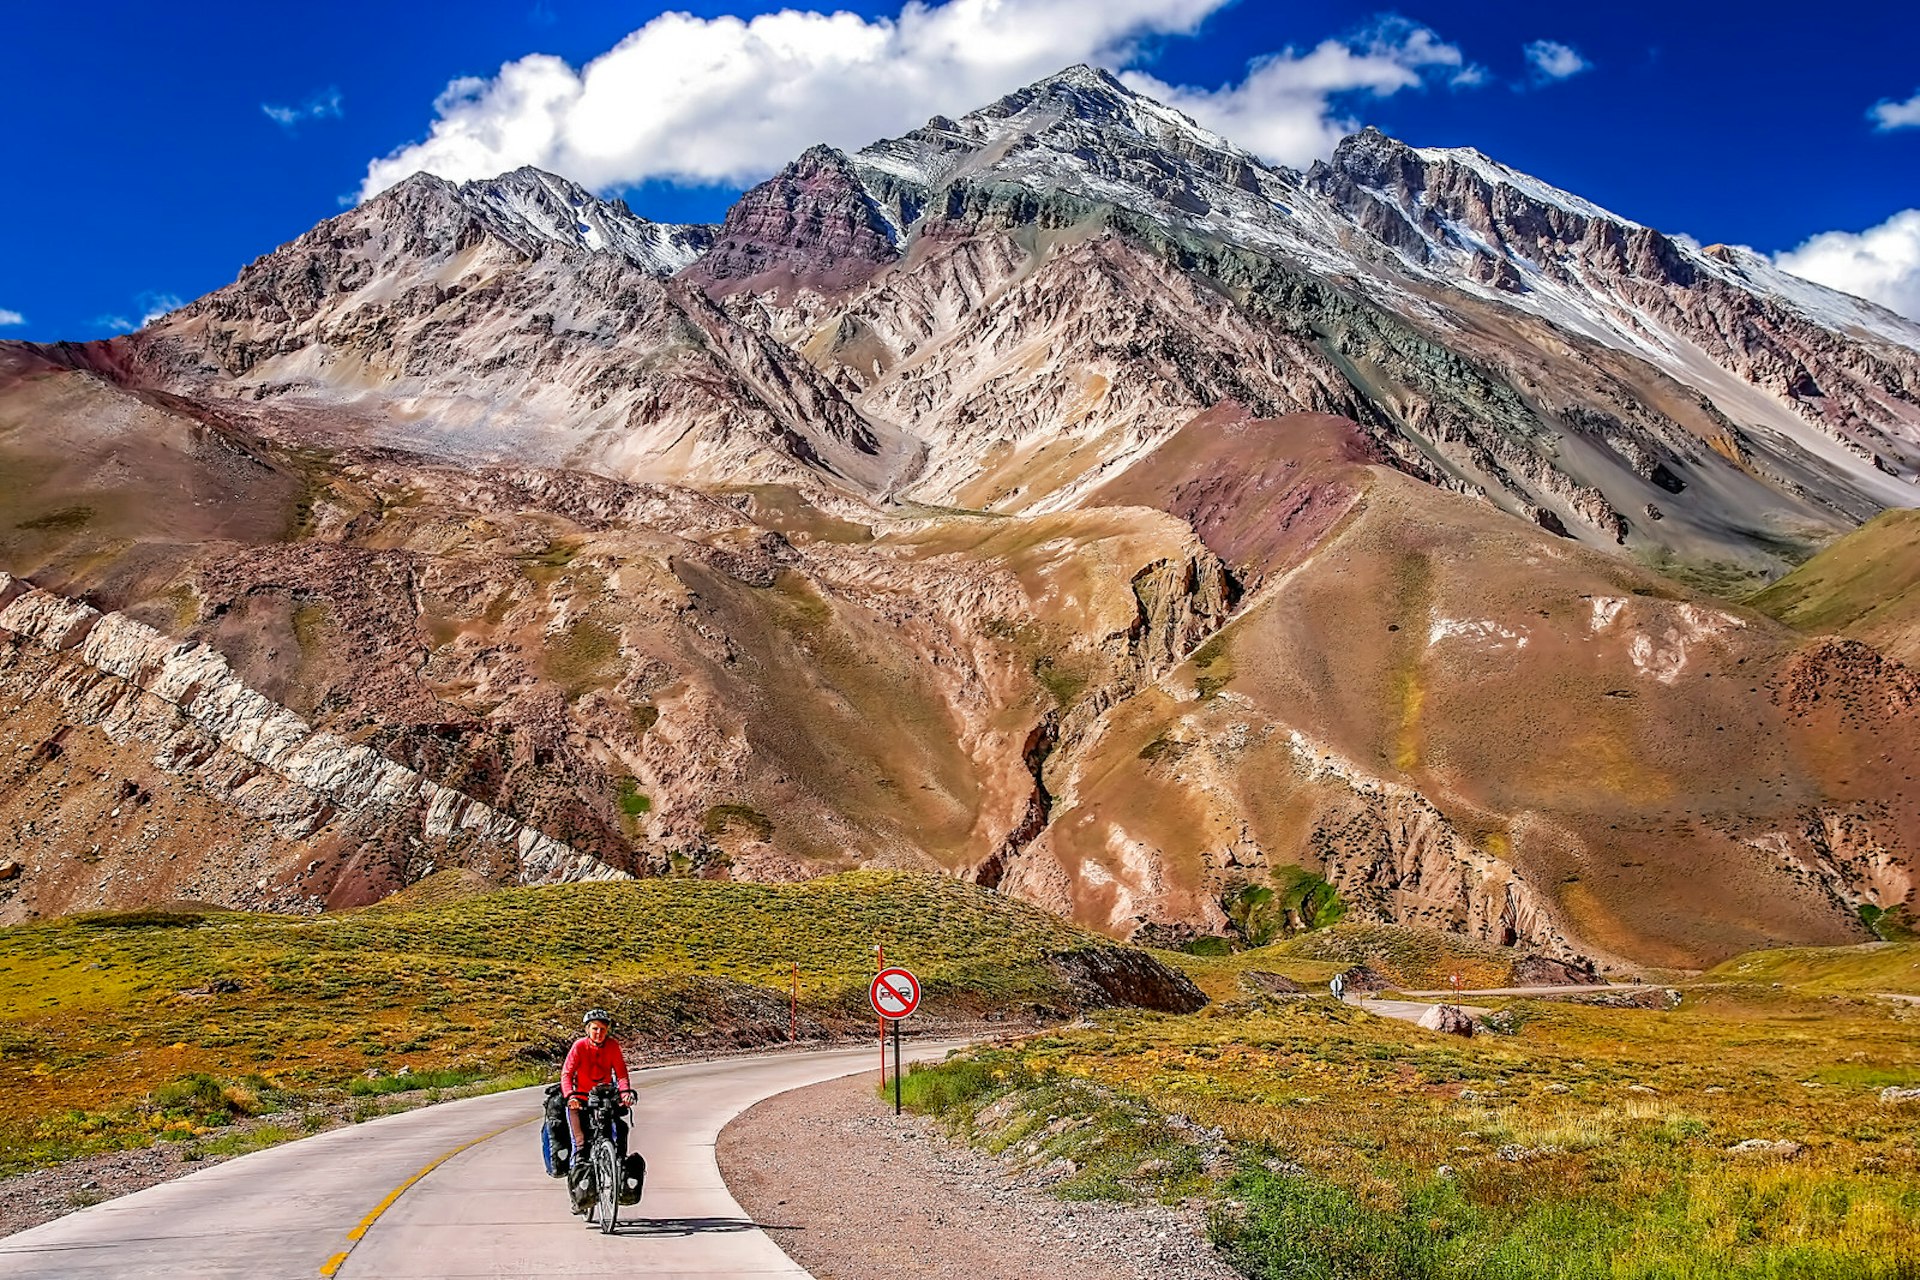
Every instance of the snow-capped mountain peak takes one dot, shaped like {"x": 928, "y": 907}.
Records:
{"x": 532, "y": 210}
{"x": 550, "y": 208}
{"x": 1497, "y": 174}
{"x": 1083, "y": 135}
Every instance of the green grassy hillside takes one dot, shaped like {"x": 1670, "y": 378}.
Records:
{"x": 1572, "y": 1143}
{"x": 1866, "y": 585}
{"x": 1874, "y": 967}
{"x": 117, "y": 1028}
{"x": 1416, "y": 959}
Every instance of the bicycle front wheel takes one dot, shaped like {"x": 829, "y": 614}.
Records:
{"x": 606, "y": 1184}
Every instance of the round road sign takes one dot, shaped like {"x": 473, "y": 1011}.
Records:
{"x": 895, "y": 993}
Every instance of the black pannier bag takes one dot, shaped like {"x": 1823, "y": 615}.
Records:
{"x": 635, "y": 1178}
{"x": 556, "y": 1139}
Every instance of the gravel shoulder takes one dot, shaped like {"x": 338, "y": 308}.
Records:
{"x": 41, "y": 1195}
{"x": 852, "y": 1193}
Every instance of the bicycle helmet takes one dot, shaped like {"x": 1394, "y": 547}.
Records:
{"x": 597, "y": 1015}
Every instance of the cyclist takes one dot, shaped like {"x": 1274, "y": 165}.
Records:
{"x": 594, "y": 1059}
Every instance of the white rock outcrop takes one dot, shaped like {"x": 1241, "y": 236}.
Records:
{"x": 207, "y": 725}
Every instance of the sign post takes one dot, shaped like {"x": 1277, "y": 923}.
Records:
{"x": 879, "y": 963}
{"x": 894, "y": 994}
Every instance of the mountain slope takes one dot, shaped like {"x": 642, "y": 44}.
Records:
{"x": 1702, "y": 409}
{"x": 1465, "y": 723}
{"x": 1866, "y": 585}
{"x": 471, "y": 322}
{"x": 1057, "y": 497}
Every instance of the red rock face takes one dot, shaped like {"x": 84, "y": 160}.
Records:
{"x": 1261, "y": 493}
{"x": 811, "y": 226}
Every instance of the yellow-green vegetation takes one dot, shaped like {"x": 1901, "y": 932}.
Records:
{"x": 65, "y": 520}
{"x": 584, "y": 656}
{"x": 633, "y": 801}
{"x": 785, "y": 508}
{"x": 1875, "y": 966}
{"x": 548, "y": 564}
{"x": 1584, "y": 1142}
{"x": 1296, "y": 901}
{"x": 1064, "y": 676}
{"x": 1867, "y": 585}
{"x": 1414, "y": 959}
{"x": 722, "y": 818}
{"x": 117, "y": 1029}
{"x": 1213, "y": 666}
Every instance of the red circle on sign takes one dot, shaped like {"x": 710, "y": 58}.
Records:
{"x": 894, "y": 993}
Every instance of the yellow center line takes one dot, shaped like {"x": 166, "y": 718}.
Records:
{"x": 333, "y": 1264}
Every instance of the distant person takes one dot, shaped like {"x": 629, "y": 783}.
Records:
{"x": 1339, "y": 985}
{"x": 594, "y": 1059}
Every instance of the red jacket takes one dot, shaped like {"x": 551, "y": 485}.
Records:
{"x": 587, "y": 1066}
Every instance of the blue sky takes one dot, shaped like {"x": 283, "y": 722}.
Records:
{"x": 159, "y": 148}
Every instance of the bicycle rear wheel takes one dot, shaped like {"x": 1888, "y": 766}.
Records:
{"x": 606, "y": 1184}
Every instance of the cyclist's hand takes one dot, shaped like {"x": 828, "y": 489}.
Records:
{"x": 627, "y": 1096}
{"x": 573, "y": 1104}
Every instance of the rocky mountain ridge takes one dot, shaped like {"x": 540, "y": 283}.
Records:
{"x": 1056, "y": 496}
{"x": 1575, "y": 367}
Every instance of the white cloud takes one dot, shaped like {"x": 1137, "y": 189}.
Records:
{"x": 1888, "y": 114}
{"x": 10, "y": 318}
{"x": 1552, "y": 60}
{"x": 151, "y": 307}
{"x": 1284, "y": 110}
{"x": 324, "y": 105}
{"x": 727, "y": 100}
{"x": 1881, "y": 263}
{"x": 155, "y": 305}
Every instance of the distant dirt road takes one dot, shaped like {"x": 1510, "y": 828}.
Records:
{"x": 1572, "y": 989}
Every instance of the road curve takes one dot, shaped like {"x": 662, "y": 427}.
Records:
{"x": 450, "y": 1191}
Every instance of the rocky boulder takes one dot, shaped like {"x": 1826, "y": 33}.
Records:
{"x": 1447, "y": 1019}
{"x": 1104, "y": 977}
{"x": 1546, "y": 971}
{"x": 1272, "y": 984}
{"x": 1363, "y": 978}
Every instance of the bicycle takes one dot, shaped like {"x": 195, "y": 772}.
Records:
{"x": 603, "y": 1164}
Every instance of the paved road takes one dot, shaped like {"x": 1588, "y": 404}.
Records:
{"x": 1406, "y": 1010}
{"x": 451, "y": 1191}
